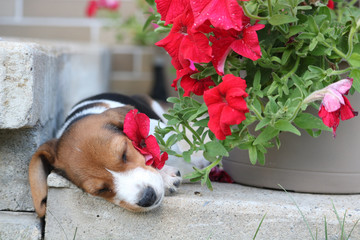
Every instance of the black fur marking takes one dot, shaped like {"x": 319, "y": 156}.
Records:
{"x": 92, "y": 105}
{"x": 142, "y": 106}
{"x": 75, "y": 120}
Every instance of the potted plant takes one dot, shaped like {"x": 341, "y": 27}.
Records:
{"x": 249, "y": 72}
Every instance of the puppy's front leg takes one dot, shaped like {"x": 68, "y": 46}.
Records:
{"x": 172, "y": 179}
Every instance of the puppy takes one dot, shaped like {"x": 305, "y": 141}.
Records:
{"x": 92, "y": 152}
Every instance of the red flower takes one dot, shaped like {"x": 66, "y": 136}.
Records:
{"x": 219, "y": 175}
{"x": 222, "y": 14}
{"x": 226, "y": 105}
{"x": 185, "y": 45}
{"x": 170, "y": 9}
{"x": 191, "y": 85}
{"x": 332, "y": 119}
{"x": 136, "y": 128}
{"x": 94, "y": 5}
{"x": 244, "y": 42}
{"x": 331, "y": 4}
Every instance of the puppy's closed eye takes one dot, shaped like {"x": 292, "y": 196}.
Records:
{"x": 103, "y": 190}
{"x": 124, "y": 158}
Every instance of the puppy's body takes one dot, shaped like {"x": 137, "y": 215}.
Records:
{"x": 92, "y": 151}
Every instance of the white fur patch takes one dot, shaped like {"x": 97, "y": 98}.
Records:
{"x": 130, "y": 185}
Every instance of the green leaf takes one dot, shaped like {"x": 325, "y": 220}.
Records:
{"x": 264, "y": 122}
{"x": 173, "y": 100}
{"x": 253, "y": 154}
{"x": 257, "y": 78}
{"x": 279, "y": 19}
{"x": 309, "y": 121}
{"x": 171, "y": 140}
{"x": 215, "y": 148}
{"x": 354, "y": 60}
{"x": 201, "y": 123}
{"x": 355, "y": 74}
{"x": 266, "y": 135}
{"x": 261, "y": 157}
{"x": 187, "y": 155}
{"x": 286, "y": 126}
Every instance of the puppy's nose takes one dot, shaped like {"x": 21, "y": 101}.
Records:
{"x": 148, "y": 197}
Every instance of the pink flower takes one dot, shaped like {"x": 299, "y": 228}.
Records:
{"x": 94, "y": 5}
{"x": 226, "y": 105}
{"x": 334, "y": 104}
{"x": 244, "y": 42}
{"x": 136, "y": 128}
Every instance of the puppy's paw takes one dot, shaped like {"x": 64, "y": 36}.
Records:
{"x": 172, "y": 179}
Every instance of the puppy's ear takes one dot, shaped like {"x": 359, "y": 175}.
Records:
{"x": 40, "y": 166}
{"x": 117, "y": 115}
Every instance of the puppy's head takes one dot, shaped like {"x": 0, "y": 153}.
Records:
{"x": 95, "y": 155}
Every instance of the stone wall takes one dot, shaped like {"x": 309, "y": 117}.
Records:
{"x": 39, "y": 81}
{"x": 66, "y": 21}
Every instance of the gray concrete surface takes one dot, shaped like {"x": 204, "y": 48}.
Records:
{"x": 231, "y": 211}
{"x": 39, "y": 81}
{"x": 19, "y": 226}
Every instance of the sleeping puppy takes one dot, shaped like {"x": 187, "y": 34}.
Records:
{"x": 92, "y": 152}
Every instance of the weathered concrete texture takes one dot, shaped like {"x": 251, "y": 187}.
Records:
{"x": 16, "y": 148}
{"x": 28, "y": 81}
{"x": 19, "y": 226}
{"x": 229, "y": 212}
{"x": 37, "y": 79}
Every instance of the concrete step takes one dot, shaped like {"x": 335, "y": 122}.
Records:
{"x": 231, "y": 211}
{"x": 19, "y": 226}
{"x": 38, "y": 82}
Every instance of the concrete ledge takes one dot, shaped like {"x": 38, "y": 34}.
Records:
{"x": 37, "y": 79}
{"x": 231, "y": 211}
{"x": 19, "y": 226}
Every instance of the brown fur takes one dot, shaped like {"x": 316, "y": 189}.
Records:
{"x": 84, "y": 152}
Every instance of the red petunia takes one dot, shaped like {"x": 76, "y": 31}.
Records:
{"x": 94, "y": 5}
{"x": 184, "y": 44}
{"x": 332, "y": 119}
{"x": 244, "y": 42}
{"x": 331, "y": 4}
{"x": 136, "y": 128}
{"x": 170, "y": 9}
{"x": 222, "y": 14}
{"x": 226, "y": 105}
{"x": 191, "y": 85}
{"x": 219, "y": 175}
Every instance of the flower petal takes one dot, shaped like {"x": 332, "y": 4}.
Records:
{"x": 346, "y": 110}
{"x": 170, "y": 9}
{"x": 223, "y": 14}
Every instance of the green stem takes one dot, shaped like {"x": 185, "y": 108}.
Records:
{"x": 186, "y": 139}
{"x": 214, "y": 163}
{"x": 248, "y": 14}
{"x": 269, "y": 8}
{"x": 351, "y": 38}
{"x": 337, "y": 51}
{"x": 257, "y": 114}
{"x": 185, "y": 124}
{"x": 293, "y": 70}
{"x": 339, "y": 72}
